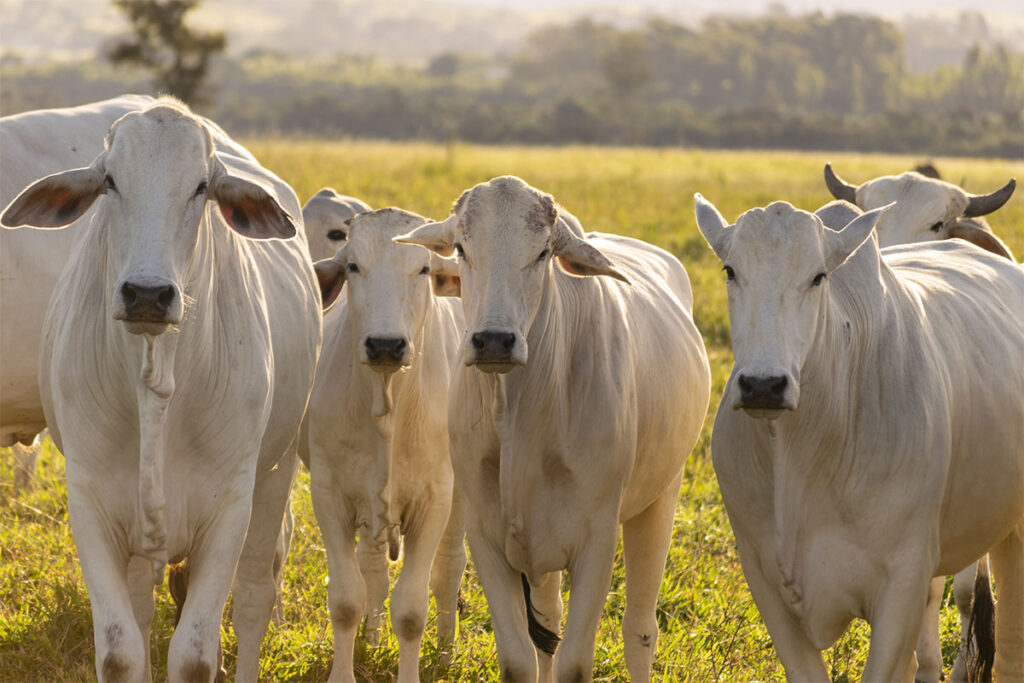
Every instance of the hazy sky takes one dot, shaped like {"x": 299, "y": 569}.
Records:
{"x": 886, "y": 7}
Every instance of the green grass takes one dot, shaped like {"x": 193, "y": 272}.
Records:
{"x": 710, "y": 628}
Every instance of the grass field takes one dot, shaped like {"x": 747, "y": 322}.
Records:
{"x": 710, "y": 628}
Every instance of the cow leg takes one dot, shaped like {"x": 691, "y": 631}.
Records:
{"x": 895, "y": 620}
{"x": 26, "y": 459}
{"x": 445, "y": 580}
{"x": 409, "y": 601}
{"x": 503, "y": 588}
{"x": 284, "y": 544}
{"x": 547, "y": 603}
{"x": 258, "y": 575}
{"x": 195, "y": 650}
{"x": 140, "y": 590}
{"x": 346, "y": 590}
{"x": 373, "y": 565}
{"x": 929, "y": 649}
{"x": 590, "y": 574}
{"x": 800, "y": 658}
{"x": 120, "y": 653}
{"x": 1007, "y": 559}
{"x": 645, "y": 542}
{"x": 963, "y": 596}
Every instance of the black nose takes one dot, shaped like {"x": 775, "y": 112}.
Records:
{"x": 144, "y": 303}
{"x": 493, "y": 347}
{"x": 762, "y": 392}
{"x": 386, "y": 350}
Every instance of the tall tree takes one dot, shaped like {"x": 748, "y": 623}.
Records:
{"x": 178, "y": 55}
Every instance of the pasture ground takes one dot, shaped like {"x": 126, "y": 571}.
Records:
{"x": 709, "y": 627}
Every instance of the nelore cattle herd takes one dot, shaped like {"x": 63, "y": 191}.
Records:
{"x": 502, "y": 375}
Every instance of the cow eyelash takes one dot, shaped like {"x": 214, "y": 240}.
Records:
{"x": 110, "y": 183}
{"x": 730, "y": 274}
{"x": 936, "y": 227}
{"x": 201, "y": 189}
{"x": 336, "y": 235}
{"x": 818, "y": 279}
{"x": 543, "y": 255}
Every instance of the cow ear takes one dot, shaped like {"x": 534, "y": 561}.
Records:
{"x": 841, "y": 244}
{"x": 711, "y": 224}
{"x": 578, "y": 257}
{"x": 248, "y": 208}
{"x": 327, "y": 210}
{"x": 982, "y": 238}
{"x": 330, "y": 275}
{"x": 437, "y": 237}
{"x": 444, "y": 276}
{"x": 57, "y": 200}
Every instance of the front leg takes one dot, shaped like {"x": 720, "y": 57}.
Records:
{"x": 590, "y": 574}
{"x": 895, "y": 617}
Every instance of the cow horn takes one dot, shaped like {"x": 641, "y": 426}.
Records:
{"x": 981, "y": 204}
{"x": 838, "y": 187}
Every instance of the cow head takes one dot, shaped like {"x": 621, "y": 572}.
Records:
{"x": 155, "y": 177}
{"x": 507, "y": 234}
{"x": 926, "y": 208}
{"x": 324, "y": 216}
{"x": 389, "y": 285}
{"x": 777, "y": 261}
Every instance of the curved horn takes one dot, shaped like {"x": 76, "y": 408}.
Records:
{"x": 839, "y": 188}
{"x": 981, "y": 204}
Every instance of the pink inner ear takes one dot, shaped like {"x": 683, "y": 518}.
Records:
{"x": 331, "y": 295}
{"x": 569, "y": 267}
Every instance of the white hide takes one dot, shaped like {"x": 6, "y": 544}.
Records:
{"x": 926, "y": 209}
{"x": 33, "y": 145}
{"x": 583, "y": 424}
{"x": 378, "y": 440}
{"x": 174, "y": 430}
{"x": 897, "y": 455}
{"x": 324, "y": 216}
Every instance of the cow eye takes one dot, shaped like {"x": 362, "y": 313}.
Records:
{"x": 543, "y": 255}
{"x": 352, "y": 268}
{"x": 459, "y": 250}
{"x": 730, "y": 275}
{"x": 110, "y": 183}
{"x": 201, "y": 189}
{"x": 336, "y": 235}
{"x": 936, "y": 227}
{"x": 424, "y": 270}
{"x": 818, "y": 279}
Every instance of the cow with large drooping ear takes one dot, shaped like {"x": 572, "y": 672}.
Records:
{"x": 325, "y": 218}
{"x": 506, "y": 235}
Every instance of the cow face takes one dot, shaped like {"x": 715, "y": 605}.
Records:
{"x": 507, "y": 234}
{"x": 155, "y": 177}
{"x": 325, "y": 216}
{"x": 388, "y": 286}
{"x": 777, "y": 261}
{"x": 926, "y": 209}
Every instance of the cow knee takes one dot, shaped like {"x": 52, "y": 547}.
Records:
{"x": 345, "y": 615}
{"x": 119, "y": 662}
{"x": 410, "y": 626}
{"x": 116, "y": 668}
{"x": 197, "y": 671}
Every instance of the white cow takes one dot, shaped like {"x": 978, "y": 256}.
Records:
{"x": 32, "y": 145}
{"x": 578, "y": 401}
{"x": 178, "y": 354}
{"x": 324, "y": 216}
{"x": 869, "y": 437}
{"x": 926, "y": 209}
{"x": 378, "y": 437}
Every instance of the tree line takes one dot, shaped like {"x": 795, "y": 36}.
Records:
{"x": 777, "y": 81}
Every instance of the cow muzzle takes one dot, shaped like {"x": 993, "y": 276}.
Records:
{"x": 386, "y": 354}
{"x": 765, "y": 395}
{"x": 495, "y": 351}
{"x": 148, "y": 306}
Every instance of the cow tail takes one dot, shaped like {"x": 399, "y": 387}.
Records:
{"x": 177, "y": 584}
{"x": 543, "y": 638}
{"x": 981, "y": 631}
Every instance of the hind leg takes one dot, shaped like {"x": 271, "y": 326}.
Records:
{"x": 645, "y": 543}
{"x": 1007, "y": 558}
{"x": 547, "y": 603}
{"x": 140, "y": 590}
{"x": 26, "y": 459}
{"x": 929, "y": 649}
{"x": 963, "y": 596}
{"x": 373, "y": 565}
{"x": 446, "y": 578}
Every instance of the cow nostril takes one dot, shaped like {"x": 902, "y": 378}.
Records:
{"x": 509, "y": 341}
{"x": 745, "y": 386}
{"x": 778, "y": 387}
{"x": 128, "y": 294}
{"x": 478, "y": 342}
{"x": 371, "y": 349}
{"x": 166, "y": 297}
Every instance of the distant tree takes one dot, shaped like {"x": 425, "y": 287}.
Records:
{"x": 444, "y": 65}
{"x": 178, "y": 55}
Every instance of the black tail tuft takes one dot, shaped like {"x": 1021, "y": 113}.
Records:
{"x": 982, "y": 631}
{"x": 543, "y": 638}
{"x": 177, "y": 584}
